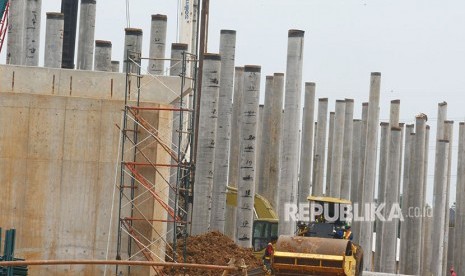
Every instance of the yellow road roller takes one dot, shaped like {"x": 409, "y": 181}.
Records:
{"x": 320, "y": 247}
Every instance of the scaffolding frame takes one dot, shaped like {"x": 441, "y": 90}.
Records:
{"x": 139, "y": 136}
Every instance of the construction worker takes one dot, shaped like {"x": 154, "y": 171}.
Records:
{"x": 452, "y": 272}
{"x": 302, "y": 228}
{"x": 269, "y": 250}
{"x": 338, "y": 233}
{"x": 348, "y": 233}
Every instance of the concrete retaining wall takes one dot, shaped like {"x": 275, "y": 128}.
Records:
{"x": 58, "y": 157}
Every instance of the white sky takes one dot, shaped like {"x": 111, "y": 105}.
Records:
{"x": 417, "y": 45}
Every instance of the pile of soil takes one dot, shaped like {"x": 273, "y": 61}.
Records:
{"x": 212, "y": 248}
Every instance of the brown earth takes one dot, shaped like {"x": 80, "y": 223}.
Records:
{"x": 212, "y": 248}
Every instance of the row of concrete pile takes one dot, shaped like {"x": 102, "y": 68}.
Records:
{"x": 24, "y": 39}
{"x": 260, "y": 149}
{"x": 257, "y": 149}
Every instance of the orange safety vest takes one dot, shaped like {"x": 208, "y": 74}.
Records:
{"x": 347, "y": 235}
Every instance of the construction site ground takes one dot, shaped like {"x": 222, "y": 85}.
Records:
{"x": 216, "y": 249}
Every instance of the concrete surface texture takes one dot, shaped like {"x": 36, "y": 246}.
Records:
{"x": 206, "y": 144}
{"x": 85, "y": 50}
{"x": 247, "y": 163}
{"x": 32, "y": 18}
{"x": 460, "y": 207}
{"x": 102, "y": 58}
{"x": 409, "y": 130}
{"x": 263, "y": 152}
{"x": 78, "y": 83}
{"x": 58, "y": 169}
{"x": 320, "y": 144}
{"x": 330, "y": 152}
{"x": 290, "y": 136}
{"x": 306, "y": 148}
{"x": 157, "y": 44}
{"x": 132, "y": 50}
{"x": 382, "y": 178}
{"x": 54, "y": 40}
{"x": 275, "y": 138}
{"x": 223, "y": 129}
{"x": 115, "y": 66}
{"x": 338, "y": 147}
{"x": 230, "y": 223}
{"x": 15, "y": 44}
{"x": 369, "y": 179}
{"x": 347, "y": 151}
{"x": 355, "y": 162}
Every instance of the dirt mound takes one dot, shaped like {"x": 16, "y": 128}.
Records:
{"x": 212, "y": 248}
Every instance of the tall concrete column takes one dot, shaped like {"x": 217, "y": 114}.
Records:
{"x": 460, "y": 205}
{"x": 382, "y": 178}
{"x": 439, "y": 205}
{"x": 289, "y": 166}
{"x": 54, "y": 40}
{"x": 408, "y": 153}
{"x": 414, "y": 231}
{"x": 223, "y": 129}
{"x": 264, "y": 167}
{"x": 448, "y": 135}
{"x": 306, "y": 154}
{"x": 427, "y": 246}
{"x": 175, "y": 71}
{"x": 275, "y": 139}
{"x": 32, "y": 33}
{"x": 258, "y": 149}
{"x": 320, "y": 148}
{"x": 450, "y": 247}
{"x": 157, "y": 45}
{"x": 234, "y": 151}
{"x": 102, "y": 61}
{"x": 355, "y": 164}
{"x": 115, "y": 66}
{"x": 176, "y": 58}
{"x": 15, "y": 50}
{"x": 450, "y": 244}
{"x": 330, "y": 151}
{"x": 248, "y": 143}
{"x": 426, "y": 259}
{"x": 85, "y": 53}
{"x": 394, "y": 113}
{"x": 366, "y": 227}
{"x": 361, "y": 170}
{"x": 347, "y": 151}
{"x": 338, "y": 150}
{"x": 132, "y": 50}
{"x": 206, "y": 144}
{"x": 388, "y": 262}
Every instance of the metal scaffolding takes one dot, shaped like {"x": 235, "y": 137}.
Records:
{"x": 149, "y": 197}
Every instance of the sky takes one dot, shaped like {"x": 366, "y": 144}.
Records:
{"x": 417, "y": 45}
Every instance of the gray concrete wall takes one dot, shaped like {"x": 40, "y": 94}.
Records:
{"x": 57, "y": 166}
